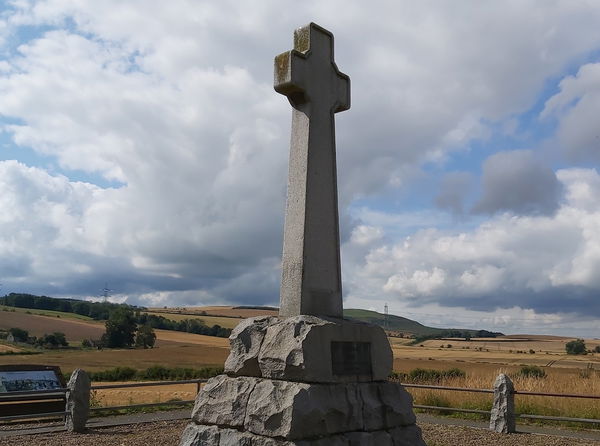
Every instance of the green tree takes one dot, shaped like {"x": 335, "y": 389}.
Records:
{"x": 145, "y": 337}
{"x": 19, "y": 334}
{"x": 576, "y": 347}
{"x": 54, "y": 340}
{"x": 120, "y": 328}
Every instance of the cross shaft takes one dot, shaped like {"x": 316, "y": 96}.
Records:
{"x": 316, "y": 89}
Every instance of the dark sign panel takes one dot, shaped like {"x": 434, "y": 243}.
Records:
{"x": 351, "y": 358}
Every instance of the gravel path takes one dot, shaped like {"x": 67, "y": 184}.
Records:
{"x": 167, "y": 433}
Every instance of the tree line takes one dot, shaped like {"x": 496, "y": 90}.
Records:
{"x": 452, "y": 333}
{"x": 96, "y": 310}
{"x": 106, "y": 310}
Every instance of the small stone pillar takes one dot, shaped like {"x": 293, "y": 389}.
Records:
{"x": 78, "y": 401}
{"x": 503, "y": 411}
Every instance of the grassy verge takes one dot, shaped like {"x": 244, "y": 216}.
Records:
{"x": 550, "y": 382}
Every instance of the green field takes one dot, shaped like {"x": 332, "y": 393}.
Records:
{"x": 50, "y": 313}
{"x": 392, "y": 323}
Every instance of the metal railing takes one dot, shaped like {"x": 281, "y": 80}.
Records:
{"x": 35, "y": 395}
{"x": 516, "y": 392}
{"x": 198, "y": 383}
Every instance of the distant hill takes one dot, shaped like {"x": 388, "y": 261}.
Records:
{"x": 394, "y": 323}
{"x": 403, "y": 325}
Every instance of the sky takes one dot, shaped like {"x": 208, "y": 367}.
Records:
{"x": 143, "y": 148}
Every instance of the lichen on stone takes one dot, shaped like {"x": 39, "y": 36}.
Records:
{"x": 302, "y": 39}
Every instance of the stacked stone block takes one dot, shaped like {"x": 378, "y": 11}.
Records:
{"x": 281, "y": 388}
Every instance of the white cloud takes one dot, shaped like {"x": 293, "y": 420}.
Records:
{"x": 173, "y": 101}
{"x": 545, "y": 263}
{"x": 576, "y": 107}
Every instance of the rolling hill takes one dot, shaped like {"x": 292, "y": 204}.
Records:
{"x": 392, "y": 323}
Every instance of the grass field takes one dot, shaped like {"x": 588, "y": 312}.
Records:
{"x": 51, "y": 313}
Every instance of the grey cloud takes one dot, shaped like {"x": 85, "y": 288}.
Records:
{"x": 517, "y": 182}
{"x": 578, "y": 300}
{"x": 454, "y": 188}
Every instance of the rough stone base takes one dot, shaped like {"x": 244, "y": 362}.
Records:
{"x": 264, "y": 412}
{"x": 202, "y": 435}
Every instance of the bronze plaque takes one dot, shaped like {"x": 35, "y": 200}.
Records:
{"x": 351, "y": 358}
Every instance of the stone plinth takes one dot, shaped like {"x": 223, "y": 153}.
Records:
{"x": 287, "y": 385}
{"x": 257, "y": 411}
{"x": 309, "y": 349}
{"x": 200, "y": 435}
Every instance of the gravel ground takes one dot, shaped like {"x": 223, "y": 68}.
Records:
{"x": 167, "y": 433}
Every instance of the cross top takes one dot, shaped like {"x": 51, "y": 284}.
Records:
{"x": 308, "y": 74}
{"x": 311, "y": 275}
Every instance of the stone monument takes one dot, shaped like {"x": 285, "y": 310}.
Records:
{"x": 307, "y": 377}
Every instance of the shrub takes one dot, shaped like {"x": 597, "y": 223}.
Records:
{"x": 432, "y": 375}
{"x": 531, "y": 371}
{"x": 576, "y": 347}
{"x": 54, "y": 340}
{"x": 115, "y": 374}
{"x": 398, "y": 376}
{"x": 155, "y": 373}
{"x": 434, "y": 399}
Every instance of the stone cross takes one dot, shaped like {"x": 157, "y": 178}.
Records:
{"x": 316, "y": 89}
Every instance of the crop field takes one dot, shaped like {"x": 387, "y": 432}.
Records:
{"x": 74, "y": 329}
{"x": 8, "y": 348}
{"x": 227, "y": 311}
{"x": 141, "y": 395}
{"x": 170, "y": 355}
{"x": 481, "y": 360}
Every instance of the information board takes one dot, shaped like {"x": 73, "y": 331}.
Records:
{"x": 19, "y": 378}
{"x": 13, "y": 381}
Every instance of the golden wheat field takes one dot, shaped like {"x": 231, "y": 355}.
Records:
{"x": 481, "y": 360}
{"x": 141, "y": 395}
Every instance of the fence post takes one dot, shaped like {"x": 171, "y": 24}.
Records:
{"x": 503, "y": 411}
{"x": 78, "y": 401}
